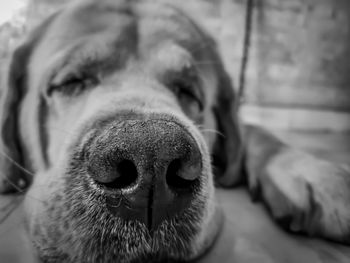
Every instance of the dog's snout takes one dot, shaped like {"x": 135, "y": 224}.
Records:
{"x": 151, "y": 168}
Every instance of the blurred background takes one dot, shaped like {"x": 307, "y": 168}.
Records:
{"x": 298, "y": 71}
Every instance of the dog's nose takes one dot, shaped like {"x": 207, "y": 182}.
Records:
{"x": 150, "y": 169}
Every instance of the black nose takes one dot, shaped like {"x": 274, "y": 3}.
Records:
{"x": 150, "y": 169}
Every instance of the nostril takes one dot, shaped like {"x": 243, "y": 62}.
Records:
{"x": 181, "y": 175}
{"x": 125, "y": 175}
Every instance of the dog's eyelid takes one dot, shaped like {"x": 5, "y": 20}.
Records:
{"x": 74, "y": 73}
{"x": 188, "y": 88}
{"x": 72, "y": 84}
{"x": 185, "y": 81}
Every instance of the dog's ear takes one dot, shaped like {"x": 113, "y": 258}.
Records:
{"x": 14, "y": 176}
{"x": 228, "y": 151}
{"x": 12, "y": 171}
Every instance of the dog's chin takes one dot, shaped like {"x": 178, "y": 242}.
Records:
{"x": 76, "y": 226}
{"x": 94, "y": 235}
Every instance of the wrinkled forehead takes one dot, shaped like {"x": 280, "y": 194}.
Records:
{"x": 123, "y": 28}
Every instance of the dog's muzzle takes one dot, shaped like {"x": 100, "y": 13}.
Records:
{"x": 149, "y": 169}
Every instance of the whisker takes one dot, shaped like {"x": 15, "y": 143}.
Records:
{"x": 11, "y": 227}
{"x": 6, "y": 206}
{"x": 9, "y": 208}
{"x": 16, "y": 164}
{"x": 204, "y": 130}
{"x": 213, "y": 131}
{"x": 60, "y": 129}
{"x": 200, "y": 126}
{"x": 38, "y": 185}
{"x": 34, "y": 198}
{"x": 19, "y": 189}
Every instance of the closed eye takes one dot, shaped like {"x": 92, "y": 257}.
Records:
{"x": 185, "y": 88}
{"x": 71, "y": 85}
{"x": 189, "y": 96}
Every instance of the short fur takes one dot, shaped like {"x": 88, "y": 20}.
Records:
{"x": 95, "y": 61}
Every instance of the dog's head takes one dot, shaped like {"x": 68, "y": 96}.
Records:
{"x": 123, "y": 111}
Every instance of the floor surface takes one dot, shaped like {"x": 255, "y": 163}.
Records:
{"x": 249, "y": 234}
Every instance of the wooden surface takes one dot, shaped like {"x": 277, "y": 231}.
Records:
{"x": 250, "y": 235}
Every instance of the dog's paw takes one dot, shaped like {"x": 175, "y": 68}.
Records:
{"x": 306, "y": 194}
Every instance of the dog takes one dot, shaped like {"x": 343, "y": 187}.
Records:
{"x": 118, "y": 122}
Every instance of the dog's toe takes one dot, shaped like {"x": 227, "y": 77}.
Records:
{"x": 308, "y": 195}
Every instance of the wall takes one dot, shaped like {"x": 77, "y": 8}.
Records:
{"x": 298, "y": 73}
